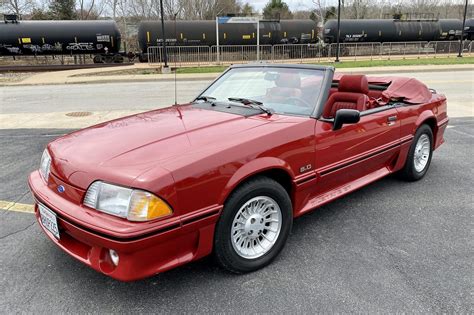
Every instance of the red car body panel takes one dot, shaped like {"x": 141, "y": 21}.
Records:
{"x": 194, "y": 158}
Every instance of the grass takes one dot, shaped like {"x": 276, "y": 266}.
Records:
{"x": 209, "y": 69}
{"x": 404, "y": 62}
{"x": 356, "y": 64}
{"x": 120, "y": 72}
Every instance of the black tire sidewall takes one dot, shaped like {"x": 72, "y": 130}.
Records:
{"x": 410, "y": 172}
{"x": 223, "y": 248}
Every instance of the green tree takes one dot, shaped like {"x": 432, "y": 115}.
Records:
{"x": 63, "y": 10}
{"x": 330, "y": 14}
{"x": 275, "y": 9}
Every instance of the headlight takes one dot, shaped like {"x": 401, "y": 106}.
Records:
{"x": 133, "y": 204}
{"x": 45, "y": 164}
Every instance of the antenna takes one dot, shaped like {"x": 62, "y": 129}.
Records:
{"x": 175, "y": 61}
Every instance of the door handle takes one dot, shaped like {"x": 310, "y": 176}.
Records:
{"x": 391, "y": 120}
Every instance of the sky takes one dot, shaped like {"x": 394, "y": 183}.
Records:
{"x": 294, "y": 5}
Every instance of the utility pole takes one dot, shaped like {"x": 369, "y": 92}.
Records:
{"x": 258, "y": 39}
{"x": 338, "y": 29}
{"x": 165, "y": 55}
{"x": 462, "y": 31}
{"x": 217, "y": 39}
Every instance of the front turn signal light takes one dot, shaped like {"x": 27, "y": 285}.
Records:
{"x": 145, "y": 206}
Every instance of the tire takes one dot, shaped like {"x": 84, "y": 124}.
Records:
{"x": 243, "y": 204}
{"x": 413, "y": 170}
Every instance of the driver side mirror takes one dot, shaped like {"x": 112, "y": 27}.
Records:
{"x": 345, "y": 116}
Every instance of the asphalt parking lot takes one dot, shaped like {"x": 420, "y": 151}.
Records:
{"x": 389, "y": 247}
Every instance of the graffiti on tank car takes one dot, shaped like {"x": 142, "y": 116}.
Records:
{"x": 32, "y": 48}
{"x": 35, "y": 48}
{"x": 80, "y": 46}
{"x": 12, "y": 50}
{"x": 49, "y": 47}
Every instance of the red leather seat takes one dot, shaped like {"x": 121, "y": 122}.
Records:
{"x": 351, "y": 94}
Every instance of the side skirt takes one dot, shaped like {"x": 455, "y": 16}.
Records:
{"x": 343, "y": 190}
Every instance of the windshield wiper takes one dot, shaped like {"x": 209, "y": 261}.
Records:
{"x": 252, "y": 104}
{"x": 205, "y": 98}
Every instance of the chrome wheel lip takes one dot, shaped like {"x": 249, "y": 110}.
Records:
{"x": 422, "y": 153}
{"x": 256, "y": 227}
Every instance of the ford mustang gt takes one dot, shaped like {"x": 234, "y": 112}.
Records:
{"x": 228, "y": 172}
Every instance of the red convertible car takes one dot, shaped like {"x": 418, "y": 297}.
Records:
{"x": 227, "y": 173}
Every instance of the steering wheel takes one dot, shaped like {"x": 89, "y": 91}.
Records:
{"x": 298, "y": 102}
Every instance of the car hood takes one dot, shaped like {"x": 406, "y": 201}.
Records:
{"x": 124, "y": 148}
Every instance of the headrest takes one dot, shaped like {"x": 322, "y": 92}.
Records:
{"x": 289, "y": 80}
{"x": 354, "y": 84}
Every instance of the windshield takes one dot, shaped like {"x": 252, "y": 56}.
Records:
{"x": 283, "y": 90}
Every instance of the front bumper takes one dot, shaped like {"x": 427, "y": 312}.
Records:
{"x": 140, "y": 256}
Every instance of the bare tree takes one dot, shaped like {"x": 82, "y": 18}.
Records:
{"x": 145, "y": 8}
{"x": 321, "y": 8}
{"x": 17, "y": 7}
{"x": 357, "y": 9}
{"x": 90, "y": 9}
{"x": 172, "y": 7}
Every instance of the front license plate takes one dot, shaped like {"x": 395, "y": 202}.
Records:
{"x": 49, "y": 220}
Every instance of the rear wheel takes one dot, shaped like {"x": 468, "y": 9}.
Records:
{"x": 254, "y": 226}
{"x": 419, "y": 156}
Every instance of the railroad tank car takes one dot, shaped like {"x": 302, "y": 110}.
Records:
{"x": 451, "y": 29}
{"x": 61, "y": 38}
{"x": 298, "y": 31}
{"x": 469, "y": 29}
{"x": 383, "y": 30}
{"x": 196, "y": 33}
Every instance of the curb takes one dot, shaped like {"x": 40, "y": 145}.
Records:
{"x": 211, "y": 76}
{"x": 403, "y": 70}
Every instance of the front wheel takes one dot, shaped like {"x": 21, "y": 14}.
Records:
{"x": 419, "y": 156}
{"x": 254, "y": 226}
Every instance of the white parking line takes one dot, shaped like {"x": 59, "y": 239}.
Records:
{"x": 462, "y": 133}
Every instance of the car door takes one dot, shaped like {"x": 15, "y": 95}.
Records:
{"x": 360, "y": 151}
